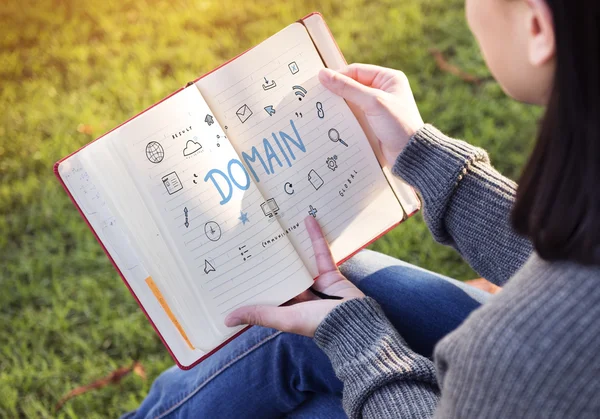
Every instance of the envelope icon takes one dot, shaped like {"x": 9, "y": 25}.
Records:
{"x": 243, "y": 113}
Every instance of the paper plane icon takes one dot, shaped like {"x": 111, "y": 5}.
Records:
{"x": 270, "y": 109}
{"x": 209, "y": 120}
{"x": 208, "y": 267}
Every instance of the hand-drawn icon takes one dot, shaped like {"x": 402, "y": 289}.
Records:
{"x": 298, "y": 114}
{"x": 288, "y": 189}
{"x": 312, "y": 211}
{"x": 185, "y": 212}
{"x": 334, "y": 136}
{"x": 208, "y": 267}
{"x": 209, "y": 120}
{"x": 172, "y": 183}
{"x": 154, "y": 152}
{"x": 244, "y": 253}
{"x": 315, "y": 180}
{"x": 191, "y": 147}
{"x": 332, "y": 162}
{"x": 270, "y": 110}
{"x": 212, "y": 231}
{"x": 299, "y": 91}
{"x": 293, "y": 67}
{"x": 243, "y": 217}
{"x": 270, "y": 207}
{"x": 269, "y": 84}
{"x": 243, "y": 113}
{"x": 320, "y": 111}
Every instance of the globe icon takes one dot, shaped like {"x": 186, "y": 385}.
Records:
{"x": 155, "y": 152}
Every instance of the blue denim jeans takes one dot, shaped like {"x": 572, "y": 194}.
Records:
{"x": 266, "y": 373}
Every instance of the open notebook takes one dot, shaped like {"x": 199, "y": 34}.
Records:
{"x": 199, "y": 201}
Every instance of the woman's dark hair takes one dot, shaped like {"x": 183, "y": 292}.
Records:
{"x": 558, "y": 198}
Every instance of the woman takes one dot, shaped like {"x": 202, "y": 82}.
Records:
{"x": 531, "y": 350}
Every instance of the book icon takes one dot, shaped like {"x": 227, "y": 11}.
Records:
{"x": 172, "y": 183}
{"x": 243, "y": 113}
{"x": 315, "y": 180}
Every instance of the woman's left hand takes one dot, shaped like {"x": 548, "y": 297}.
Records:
{"x": 303, "y": 314}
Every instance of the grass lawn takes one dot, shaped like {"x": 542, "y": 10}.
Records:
{"x": 71, "y": 70}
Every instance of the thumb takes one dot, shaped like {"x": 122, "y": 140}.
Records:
{"x": 266, "y": 316}
{"x": 348, "y": 88}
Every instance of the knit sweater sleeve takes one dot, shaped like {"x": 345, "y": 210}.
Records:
{"x": 467, "y": 203}
{"x": 382, "y": 376}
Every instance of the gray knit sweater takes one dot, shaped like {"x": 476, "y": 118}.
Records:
{"x": 530, "y": 351}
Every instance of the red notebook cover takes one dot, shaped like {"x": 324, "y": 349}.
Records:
{"x": 57, "y": 174}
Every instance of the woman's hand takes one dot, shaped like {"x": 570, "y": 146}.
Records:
{"x": 304, "y": 313}
{"x": 384, "y": 96}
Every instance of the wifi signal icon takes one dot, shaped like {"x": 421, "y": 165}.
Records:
{"x": 299, "y": 91}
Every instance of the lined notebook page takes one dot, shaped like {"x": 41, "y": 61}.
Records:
{"x": 91, "y": 201}
{"x": 208, "y": 210}
{"x": 301, "y": 144}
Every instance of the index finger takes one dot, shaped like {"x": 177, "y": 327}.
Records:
{"x": 325, "y": 262}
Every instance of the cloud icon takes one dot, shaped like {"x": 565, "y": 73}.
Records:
{"x": 191, "y": 147}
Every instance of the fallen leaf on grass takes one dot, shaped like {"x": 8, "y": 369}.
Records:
{"x": 113, "y": 378}
{"x": 444, "y": 65}
{"x": 85, "y": 129}
{"x": 139, "y": 370}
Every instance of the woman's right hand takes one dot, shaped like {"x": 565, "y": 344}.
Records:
{"x": 384, "y": 95}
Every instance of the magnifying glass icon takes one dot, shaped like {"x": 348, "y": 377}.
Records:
{"x": 334, "y": 136}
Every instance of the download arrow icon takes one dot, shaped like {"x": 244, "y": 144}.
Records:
{"x": 270, "y": 110}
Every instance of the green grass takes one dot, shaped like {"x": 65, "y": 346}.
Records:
{"x": 70, "y": 70}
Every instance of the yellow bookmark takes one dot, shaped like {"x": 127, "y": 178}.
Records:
{"x": 165, "y": 306}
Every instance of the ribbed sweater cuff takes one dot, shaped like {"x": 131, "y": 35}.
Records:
{"x": 434, "y": 164}
{"x": 351, "y": 328}
{"x": 367, "y": 353}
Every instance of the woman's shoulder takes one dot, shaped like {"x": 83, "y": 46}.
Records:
{"x": 543, "y": 302}
{"x": 532, "y": 343}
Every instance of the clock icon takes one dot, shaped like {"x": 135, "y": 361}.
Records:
{"x": 212, "y": 231}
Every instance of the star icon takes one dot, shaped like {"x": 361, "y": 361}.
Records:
{"x": 243, "y": 217}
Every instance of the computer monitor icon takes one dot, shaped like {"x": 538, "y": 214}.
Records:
{"x": 270, "y": 207}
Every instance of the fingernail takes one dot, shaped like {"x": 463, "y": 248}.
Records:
{"x": 232, "y": 321}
